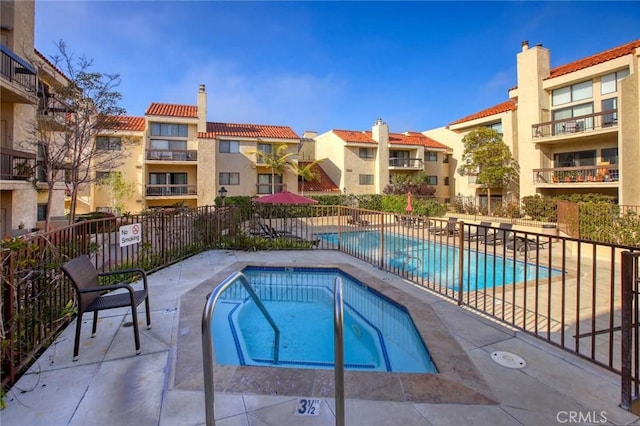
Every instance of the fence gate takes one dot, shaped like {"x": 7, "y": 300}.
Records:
{"x": 568, "y": 215}
{"x": 630, "y": 332}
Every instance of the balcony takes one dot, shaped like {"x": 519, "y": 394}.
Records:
{"x": 406, "y": 163}
{"x": 18, "y": 78}
{"x": 601, "y": 175}
{"x": 605, "y": 120}
{"x": 16, "y": 165}
{"x": 172, "y": 155}
{"x": 265, "y": 188}
{"x": 173, "y": 190}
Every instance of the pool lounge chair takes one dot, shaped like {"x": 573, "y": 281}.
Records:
{"x": 502, "y": 235}
{"x": 521, "y": 244}
{"x": 481, "y": 232}
{"x": 450, "y": 228}
{"x": 356, "y": 220}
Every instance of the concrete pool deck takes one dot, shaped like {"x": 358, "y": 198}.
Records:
{"x": 163, "y": 386}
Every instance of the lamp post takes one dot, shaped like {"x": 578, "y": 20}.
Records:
{"x": 222, "y": 193}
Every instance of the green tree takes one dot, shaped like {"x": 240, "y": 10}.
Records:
{"x": 119, "y": 190}
{"x": 306, "y": 172}
{"x": 278, "y": 160}
{"x": 487, "y": 157}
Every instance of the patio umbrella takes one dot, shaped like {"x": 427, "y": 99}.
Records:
{"x": 409, "y": 208}
{"x": 284, "y": 197}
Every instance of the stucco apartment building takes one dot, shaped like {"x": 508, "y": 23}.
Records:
{"x": 27, "y": 81}
{"x": 364, "y": 162}
{"x": 180, "y": 158}
{"x": 573, "y": 128}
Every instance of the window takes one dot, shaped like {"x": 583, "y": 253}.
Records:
{"x": 609, "y": 119}
{"x": 445, "y": 158}
{"x": 609, "y": 82}
{"x": 102, "y": 175}
{"x": 610, "y": 155}
{"x": 169, "y": 129}
{"x": 573, "y": 93}
{"x": 231, "y": 147}
{"x": 42, "y": 212}
{"x": 229, "y": 178}
{"x": 108, "y": 143}
{"x": 446, "y": 181}
{"x": 167, "y": 144}
{"x": 575, "y": 159}
{"x": 366, "y": 179}
{"x": 432, "y": 180}
{"x": 496, "y": 126}
{"x": 265, "y": 148}
{"x": 564, "y": 125}
{"x": 167, "y": 184}
{"x": 264, "y": 183}
{"x": 367, "y": 153}
{"x": 431, "y": 156}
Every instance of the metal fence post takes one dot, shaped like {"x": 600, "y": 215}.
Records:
{"x": 460, "y": 261}
{"x": 626, "y": 328}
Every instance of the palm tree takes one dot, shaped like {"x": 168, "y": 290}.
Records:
{"x": 278, "y": 160}
{"x": 306, "y": 172}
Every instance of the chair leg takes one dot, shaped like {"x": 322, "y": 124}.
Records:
{"x": 95, "y": 324}
{"x": 76, "y": 345}
{"x": 146, "y": 304}
{"x": 136, "y": 334}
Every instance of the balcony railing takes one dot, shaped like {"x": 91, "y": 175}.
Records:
{"x": 15, "y": 69}
{"x": 265, "y": 188}
{"x": 171, "y": 190}
{"x": 579, "y": 124}
{"x": 582, "y": 174}
{"x": 16, "y": 165}
{"x": 414, "y": 163}
{"x": 172, "y": 155}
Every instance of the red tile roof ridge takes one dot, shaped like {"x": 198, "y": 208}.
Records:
{"x": 51, "y": 64}
{"x": 123, "y": 122}
{"x": 354, "y": 136}
{"x": 172, "y": 110}
{"x": 215, "y": 129}
{"x": 509, "y": 105}
{"x": 598, "y": 58}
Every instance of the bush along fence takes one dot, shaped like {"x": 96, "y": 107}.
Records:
{"x": 565, "y": 291}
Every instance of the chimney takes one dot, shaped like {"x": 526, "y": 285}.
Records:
{"x": 202, "y": 109}
{"x": 525, "y": 45}
{"x": 380, "y": 134}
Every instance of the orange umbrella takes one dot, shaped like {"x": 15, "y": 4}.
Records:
{"x": 409, "y": 208}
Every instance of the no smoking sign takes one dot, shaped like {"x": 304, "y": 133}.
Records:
{"x": 130, "y": 234}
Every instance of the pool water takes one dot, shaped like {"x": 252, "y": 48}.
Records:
{"x": 379, "y": 334}
{"x": 437, "y": 261}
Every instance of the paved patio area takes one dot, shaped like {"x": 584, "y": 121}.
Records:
{"x": 163, "y": 385}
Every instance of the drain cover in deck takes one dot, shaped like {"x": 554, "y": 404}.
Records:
{"x": 509, "y": 360}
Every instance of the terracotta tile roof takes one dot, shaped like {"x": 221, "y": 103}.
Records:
{"x": 48, "y": 62}
{"x": 598, "y": 58}
{"x": 415, "y": 138}
{"x": 509, "y": 105}
{"x": 136, "y": 124}
{"x": 322, "y": 182}
{"x": 248, "y": 131}
{"x": 172, "y": 110}
{"x": 355, "y": 137}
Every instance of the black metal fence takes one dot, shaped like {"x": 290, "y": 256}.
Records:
{"x": 562, "y": 290}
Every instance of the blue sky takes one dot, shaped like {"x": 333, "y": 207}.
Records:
{"x": 327, "y": 65}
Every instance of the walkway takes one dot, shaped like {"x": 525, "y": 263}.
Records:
{"x": 110, "y": 385}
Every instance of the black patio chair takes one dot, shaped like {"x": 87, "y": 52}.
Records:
{"x": 481, "y": 232}
{"x": 93, "y": 297}
{"x": 502, "y": 235}
{"x": 520, "y": 244}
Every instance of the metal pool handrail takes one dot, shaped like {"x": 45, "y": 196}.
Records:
{"x": 338, "y": 348}
{"x": 208, "y": 352}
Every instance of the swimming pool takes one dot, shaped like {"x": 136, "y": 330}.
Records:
{"x": 379, "y": 334}
{"x": 437, "y": 261}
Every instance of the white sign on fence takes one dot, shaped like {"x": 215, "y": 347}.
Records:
{"x": 130, "y": 234}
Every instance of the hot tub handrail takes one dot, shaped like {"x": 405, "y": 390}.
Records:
{"x": 208, "y": 351}
{"x": 338, "y": 345}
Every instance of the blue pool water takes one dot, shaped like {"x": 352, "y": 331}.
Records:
{"x": 379, "y": 334}
{"x": 437, "y": 262}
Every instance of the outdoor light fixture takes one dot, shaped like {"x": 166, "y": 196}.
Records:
{"x": 222, "y": 192}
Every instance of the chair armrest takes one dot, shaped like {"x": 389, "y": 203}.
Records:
{"x": 105, "y": 288}
{"x": 127, "y": 271}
